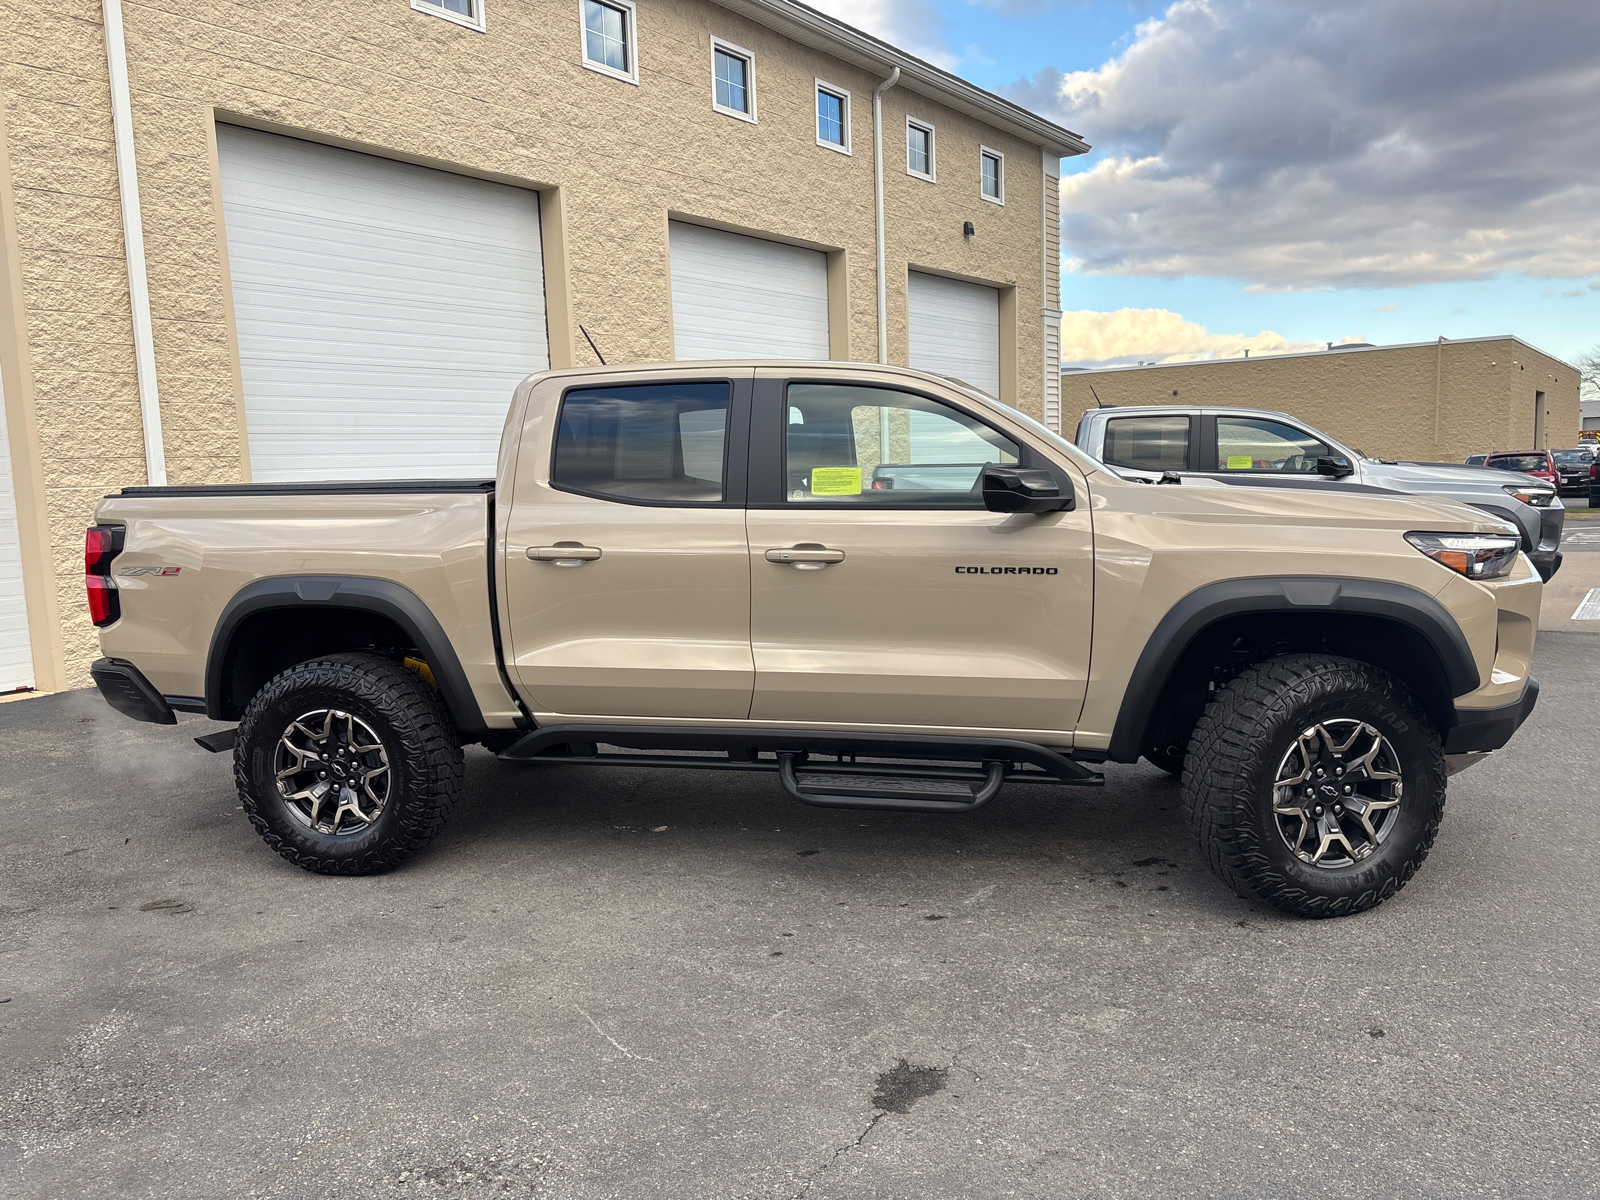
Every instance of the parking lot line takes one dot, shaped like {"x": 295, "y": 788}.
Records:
{"x": 1589, "y": 607}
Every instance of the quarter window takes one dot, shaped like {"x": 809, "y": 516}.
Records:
{"x": 1148, "y": 443}
{"x": 991, "y": 175}
{"x": 459, "y": 12}
{"x": 833, "y": 117}
{"x": 1259, "y": 444}
{"x": 846, "y": 444}
{"x": 919, "y": 149}
{"x": 608, "y": 38}
{"x": 733, "y": 80}
{"x": 658, "y": 442}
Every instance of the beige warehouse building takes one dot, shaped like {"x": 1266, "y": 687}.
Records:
{"x": 280, "y": 242}
{"x": 1434, "y": 401}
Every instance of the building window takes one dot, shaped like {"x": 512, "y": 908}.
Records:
{"x": 608, "y": 38}
{"x": 733, "y": 80}
{"x": 833, "y": 117}
{"x": 462, "y": 12}
{"x": 919, "y": 149}
{"x": 992, "y": 175}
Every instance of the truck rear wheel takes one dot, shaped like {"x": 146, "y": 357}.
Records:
{"x": 348, "y": 764}
{"x": 1317, "y": 784}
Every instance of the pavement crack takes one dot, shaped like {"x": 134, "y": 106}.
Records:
{"x": 878, "y": 1114}
{"x": 623, "y": 1049}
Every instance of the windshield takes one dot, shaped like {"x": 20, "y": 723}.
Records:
{"x": 1085, "y": 460}
{"x": 1573, "y": 457}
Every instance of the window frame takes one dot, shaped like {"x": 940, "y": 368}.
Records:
{"x": 735, "y": 444}
{"x": 734, "y": 50}
{"x": 478, "y": 22}
{"x": 769, "y": 422}
{"x": 932, "y": 175}
{"x": 630, "y": 38}
{"x": 843, "y": 96}
{"x": 999, "y": 175}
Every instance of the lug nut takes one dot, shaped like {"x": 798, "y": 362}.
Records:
{"x": 1317, "y": 811}
{"x": 1338, "y": 810}
{"x": 1347, "y": 789}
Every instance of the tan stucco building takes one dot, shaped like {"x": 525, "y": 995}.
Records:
{"x": 266, "y": 241}
{"x": 1434, "y": 401}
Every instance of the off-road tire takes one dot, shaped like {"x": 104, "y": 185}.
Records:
{"x": 1233, "y": 760}
{"x": 419, "y": 739}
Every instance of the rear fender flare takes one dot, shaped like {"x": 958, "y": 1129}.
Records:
{"x": 1190, "y": 617}
{"x": 378, "y": 596}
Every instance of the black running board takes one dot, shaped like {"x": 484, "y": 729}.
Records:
{"x": 912, "y": 795}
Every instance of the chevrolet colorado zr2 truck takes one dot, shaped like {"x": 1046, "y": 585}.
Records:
{"x": 886, "y": 589}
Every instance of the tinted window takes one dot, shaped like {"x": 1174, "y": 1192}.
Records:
{"x": 658, "y": 441}
{"x": 1148, "y": 443}
{"x": 1520, "y": 462}
{"x": 1573, "y": 458}
{"x": 865, "y": 445}
{"x": 1259, "y": 444}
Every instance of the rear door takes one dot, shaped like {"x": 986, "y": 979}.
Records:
{"x": 626, "y": 572}
{"x": 883, "y": 593}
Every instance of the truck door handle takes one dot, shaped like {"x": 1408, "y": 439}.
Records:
{"x": 805, "y": 558}
{"x": 569, "y": 554}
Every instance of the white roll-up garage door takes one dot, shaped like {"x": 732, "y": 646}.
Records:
{"x": 955, "y": 330}
{"x": 735, "y": 296}
{"x": 16, "y": 655}
{"x": 385, "y": 311}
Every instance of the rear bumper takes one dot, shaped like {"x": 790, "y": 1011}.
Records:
{"x": 1478, "y": 730}
{"x": 127, "y": 690}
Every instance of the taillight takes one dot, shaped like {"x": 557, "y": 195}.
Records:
{"x": 101, "y": 544}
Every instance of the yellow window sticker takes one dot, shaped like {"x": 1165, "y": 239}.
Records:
{"x": 1239, "y": 462}
{"x": 835, "y": 481}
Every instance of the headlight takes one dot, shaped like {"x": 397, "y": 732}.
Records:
{"x": 1538, "y": 497}
{"x": 1475, "y": 555}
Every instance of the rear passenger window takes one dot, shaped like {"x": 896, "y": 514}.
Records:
{"x": 1148, "y": 443}
{"x": 656, "y": 442}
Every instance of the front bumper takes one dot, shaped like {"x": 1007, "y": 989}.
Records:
{"x": 1546, "y": 562}
{"x": 127, "y": 690}
{"x": 1479, "y": 730}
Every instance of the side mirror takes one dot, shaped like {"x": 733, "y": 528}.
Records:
{"x": 1334, "y": 466}
{"x": 1024, "y": 490}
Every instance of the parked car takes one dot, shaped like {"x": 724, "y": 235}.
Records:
{"x": 1249, "y": 443}
{"x": 1541, "y": 464}
{"x": 683, "y": 565}
{"x": 1574, "y": 467}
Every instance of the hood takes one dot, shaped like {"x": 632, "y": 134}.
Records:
{"x": 1350, "y": 505}
{"x": 1444, "y": 475}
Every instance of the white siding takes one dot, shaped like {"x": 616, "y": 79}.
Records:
{"x": 386, "y": 312}
{"x": 16, "y": 654}
{"x": 955, "y": 330}
{"x": 735, "y": 296}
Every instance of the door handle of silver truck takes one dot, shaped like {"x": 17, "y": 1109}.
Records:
{"x": 564, "y": 554}
{"x": 805, "y": 557}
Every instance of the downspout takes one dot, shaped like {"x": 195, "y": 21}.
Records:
{"x": 144, "y": 352}
{"x": 877, "y": 187}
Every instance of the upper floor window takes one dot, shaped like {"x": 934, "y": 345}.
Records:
{"x": 992, "y": 175}
{"x": 461, "y": 12}
{"x": 608, "y": 38}
{"x": 919, "y": 149}
{"x": 733, "y": 80}
{"x": 833, "y": 117}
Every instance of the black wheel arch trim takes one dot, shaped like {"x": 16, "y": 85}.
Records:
{"x": 381, "y": 597}
{"x": 1205, "y": 606}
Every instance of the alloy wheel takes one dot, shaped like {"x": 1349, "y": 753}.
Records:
{"x": 332, "y": 772}
{"x": 1337, "y": 793}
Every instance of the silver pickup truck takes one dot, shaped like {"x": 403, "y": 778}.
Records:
{"x": 1245, "y": 444}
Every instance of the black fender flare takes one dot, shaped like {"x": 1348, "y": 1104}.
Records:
{"x": 1205, "y": 606}
{"x": 379, "y": 596}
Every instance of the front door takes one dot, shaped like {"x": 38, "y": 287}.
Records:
{"x": 883, "y": 593}
{"x": 627, "y": 581}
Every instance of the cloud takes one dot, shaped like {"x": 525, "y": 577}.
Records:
{"x": 1135, "y": 335}
{"x": 1387, "y": 308}
{"x": 1573, "y": 292}
{"x": 1368, "y": 143}
{"x": 912, "y": 25}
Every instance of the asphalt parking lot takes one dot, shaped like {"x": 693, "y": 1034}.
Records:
{"x": 602, "y": 984}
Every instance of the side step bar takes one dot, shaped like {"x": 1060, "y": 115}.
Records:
{"x": 866, "y": 783}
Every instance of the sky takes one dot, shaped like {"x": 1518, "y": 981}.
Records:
{"x": 1280, "y": 174}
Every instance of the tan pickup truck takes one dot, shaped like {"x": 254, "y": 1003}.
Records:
{"x": 887, "y": 589}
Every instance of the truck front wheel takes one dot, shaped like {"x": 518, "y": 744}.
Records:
{"x": 348, "y": 764}
{"x": 1317, "y": 784}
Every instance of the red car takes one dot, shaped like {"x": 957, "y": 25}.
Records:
{"x": 1541, "y": 464}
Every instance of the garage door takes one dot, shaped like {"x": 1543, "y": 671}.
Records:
{"x": 735, "y": 296}
{"x": 955, "y": 330}
{"x": 385, "y": 311}
{"x": 16, "y": 656}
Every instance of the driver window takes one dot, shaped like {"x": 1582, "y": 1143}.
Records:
{"x": 865, "y": 445}
{"x": 1259, "y": 444}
